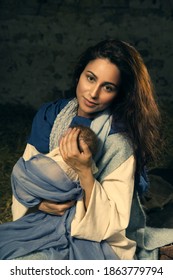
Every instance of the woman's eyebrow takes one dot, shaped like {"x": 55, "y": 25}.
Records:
{"x": 92, "y": 73}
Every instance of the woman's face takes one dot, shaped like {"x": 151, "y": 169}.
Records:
{"x": 97, "y": 87}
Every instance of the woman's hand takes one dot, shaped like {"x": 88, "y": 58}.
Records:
{"x": 55, "y": 208}
{"x": 79, "y": 160}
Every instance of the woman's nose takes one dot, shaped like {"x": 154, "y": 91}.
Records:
{"x": 94, "y": 92}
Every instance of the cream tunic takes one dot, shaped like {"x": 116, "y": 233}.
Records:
{"x": 108, "y": 212}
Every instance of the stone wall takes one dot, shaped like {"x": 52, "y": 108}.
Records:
{"x": 41, "y": 39}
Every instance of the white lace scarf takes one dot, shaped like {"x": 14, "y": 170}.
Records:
{"x": 62, "y": 122}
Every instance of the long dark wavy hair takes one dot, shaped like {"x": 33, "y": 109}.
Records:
{"x": 135, "y": 105}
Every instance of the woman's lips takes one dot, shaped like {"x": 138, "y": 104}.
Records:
{"x": 89, "y": 103}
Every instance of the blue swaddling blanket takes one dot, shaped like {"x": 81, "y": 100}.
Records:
{"x": 33, "y": 180}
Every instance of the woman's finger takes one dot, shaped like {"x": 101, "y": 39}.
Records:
{"x": 62, "y": 144}
{"x": 68, "y": 143}
{"x": 84, "y": 147}
{"x": 72, "y": 142}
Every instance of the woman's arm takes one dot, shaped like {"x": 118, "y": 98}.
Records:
{"x": 109, "y": 208}
{"x": 108, "y": 212}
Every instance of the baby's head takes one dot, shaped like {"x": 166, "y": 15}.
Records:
{"x": 89, "y": 137}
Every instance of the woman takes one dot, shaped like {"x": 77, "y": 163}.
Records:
{"x": 114, "y": 96}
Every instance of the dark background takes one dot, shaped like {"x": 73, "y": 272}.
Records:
{"x": 41, "y": 39}
{"x": 39, "y": 44}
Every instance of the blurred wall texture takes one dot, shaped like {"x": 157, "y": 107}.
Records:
{"x": 41, "y": 39}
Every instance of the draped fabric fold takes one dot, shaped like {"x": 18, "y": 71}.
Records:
{"x": 33, "y": 180}
{"x": 41, "y": 178}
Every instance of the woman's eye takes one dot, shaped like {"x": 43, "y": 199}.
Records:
{"x": 109, "y": 88}
{"x": 90, "y": 78}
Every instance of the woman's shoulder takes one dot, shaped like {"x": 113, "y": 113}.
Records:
{"x": 117, "y": 127}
